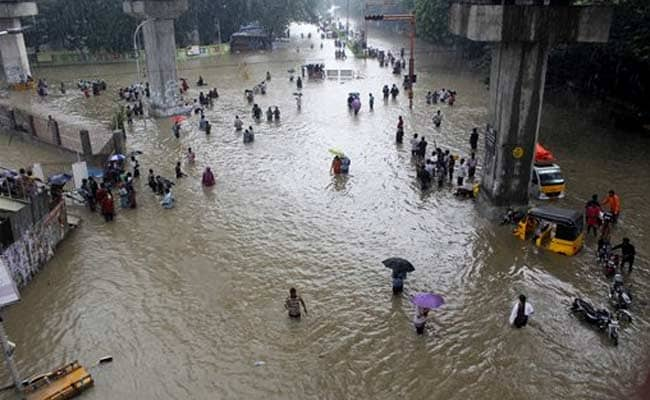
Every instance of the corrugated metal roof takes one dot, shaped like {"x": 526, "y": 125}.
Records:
{"x": 10, "y": 205}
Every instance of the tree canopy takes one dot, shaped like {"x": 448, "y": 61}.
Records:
{"x": 96, "y": 25}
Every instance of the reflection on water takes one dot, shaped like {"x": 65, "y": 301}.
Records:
{"x": 187, "y": 300}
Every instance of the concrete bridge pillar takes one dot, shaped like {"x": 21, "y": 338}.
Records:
{"x": 12, "y": 43}
{"x": 160, "y": 50}
{"x": 522, "y": 34}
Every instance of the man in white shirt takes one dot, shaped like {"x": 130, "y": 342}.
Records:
{"x": 428, "y": 166}
{"x": 520, "y": 312}
{"x": 471, "y": 166}
{"x": 433, "y": 158}
{"x": 461, "y": 172}
{"x": 415, "y": 145}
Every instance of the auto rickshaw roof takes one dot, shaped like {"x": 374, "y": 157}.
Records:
{"x": 556, "y": 214}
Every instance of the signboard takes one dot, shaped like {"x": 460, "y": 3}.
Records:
{"x": 8, "y": 291}
{"x": 193, "y": 51}
{"x": 490, "y": 150}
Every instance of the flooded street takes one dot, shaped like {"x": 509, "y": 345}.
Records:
{"x": 187, "y": 300}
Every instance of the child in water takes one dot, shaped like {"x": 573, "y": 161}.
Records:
{"x": 420, "y": 319}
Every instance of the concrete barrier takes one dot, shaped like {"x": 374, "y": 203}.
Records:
{"x": 90, "y": 140}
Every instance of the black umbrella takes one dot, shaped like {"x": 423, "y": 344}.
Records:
{"x": 398, "y": 265}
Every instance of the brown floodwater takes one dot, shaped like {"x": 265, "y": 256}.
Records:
{"x": 187, "y": 300}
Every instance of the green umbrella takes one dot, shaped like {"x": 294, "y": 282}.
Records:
{"x": 336, "y": 152}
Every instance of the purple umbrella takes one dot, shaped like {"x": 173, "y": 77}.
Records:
{"x": 427, "y": 300}
{"x": 356, "y": 104}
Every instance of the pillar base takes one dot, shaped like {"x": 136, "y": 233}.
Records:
{"x": 487, "y": 207}
{"x": 160, "y": 111}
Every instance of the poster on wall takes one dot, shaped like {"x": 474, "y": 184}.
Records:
{"x": 37, "y": 170}
{"x": 79, "y": 172}
{"x": 8, "y": 291}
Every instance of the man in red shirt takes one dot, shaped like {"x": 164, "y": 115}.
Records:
{"x": 336, "y": 165}
{"x": 593, "y": 218}
{"x": 108, "y": 208}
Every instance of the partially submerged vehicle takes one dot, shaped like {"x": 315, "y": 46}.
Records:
{"x": 556, "y": 229}
{"x": 547, "y": 181}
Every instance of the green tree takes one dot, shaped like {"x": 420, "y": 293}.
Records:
{"x": 431, "y": 18}
{"x": 96, "y": 25}
{"x": 81, "y": 25}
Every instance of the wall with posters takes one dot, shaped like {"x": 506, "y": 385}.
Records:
{"x": 27, "y": 255}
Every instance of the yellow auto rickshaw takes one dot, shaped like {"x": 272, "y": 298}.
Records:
{"x": 556, "y": 229}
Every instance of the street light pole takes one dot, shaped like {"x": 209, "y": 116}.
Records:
{"x": 135, "y": 45}
{"x": 347, "y": 19}
{"x": 219, "y": 32}
{"x": 223, "y": 7}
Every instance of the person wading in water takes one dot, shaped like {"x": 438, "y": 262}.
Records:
{"x": 293, "y": 304}
{"x": 520, "y": 312}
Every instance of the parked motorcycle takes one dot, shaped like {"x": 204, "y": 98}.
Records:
{"x": 513, "y": 217}
{"x": 620, "y": 297}
{"x": 601, "y": 318}
{"x": 608, "y": 261}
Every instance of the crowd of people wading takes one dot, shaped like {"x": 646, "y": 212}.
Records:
{"x": 437, "y": 166}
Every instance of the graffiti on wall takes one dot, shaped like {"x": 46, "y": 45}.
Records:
{"x": 25, "y": 257}
{"x": 168, "y": 97}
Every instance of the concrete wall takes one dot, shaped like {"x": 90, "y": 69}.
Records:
{"x": 69, "y": 57}
{"x": 494, "y": 23}
{"x": 17, "y": 9}
{"x": 36, "y": 208}
{"x": 20, "y": 221}
{"x": 56, "y": 133}
{"x": 70, "y": 138}
{"x": 31, "y": 251}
